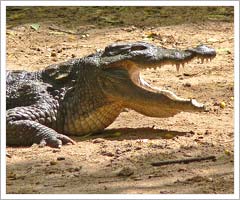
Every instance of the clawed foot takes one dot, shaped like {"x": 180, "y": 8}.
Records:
{"x": 56, "y": 141}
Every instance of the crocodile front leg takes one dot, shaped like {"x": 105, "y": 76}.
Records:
{"x": 26, "y": 132}
{"x": 24, "y": 128}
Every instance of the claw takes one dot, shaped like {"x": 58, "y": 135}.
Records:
{"x": 56, "y": 141}
{"x": 65, "y": 139}
{"x": 42, "y": 143}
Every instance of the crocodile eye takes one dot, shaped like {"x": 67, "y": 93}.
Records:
{"x": 138, "y": 47}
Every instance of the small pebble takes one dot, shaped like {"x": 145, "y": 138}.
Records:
{"x": 187, "y": 85}
{"x": 98, "y": 140}
{"x": 61, "y": 158}
{"x": 53, "y": 54}
{"x": 207, "y": 132}
{"x": 168, "y": 136}
{"x": 56, "y": 150}
{"x": 158, "y": 146}
{"x": 77, "y": 169}
{"x": 118, "y": 151}
{"x": 227, "y": 152}
{"x": 105, "y": 153}
{"x": 125, "y": 171}
{"x": 53, "y": 162}
{"x": 138, "y": 148}
{"x": 222, "y": 104}
{"x": 164, "y": 192}
{"x": 210, "y": 179}
{"x": 182, "y": 170}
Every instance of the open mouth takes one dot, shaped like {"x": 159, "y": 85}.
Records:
{"x": 136, "y": 75}
{"x": 137, "y": 78}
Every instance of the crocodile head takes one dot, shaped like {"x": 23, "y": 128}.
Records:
{"x": 121, "y": 79}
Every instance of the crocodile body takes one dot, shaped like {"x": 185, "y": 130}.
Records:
{"x": 85, "y": 95}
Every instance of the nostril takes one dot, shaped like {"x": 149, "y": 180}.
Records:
{"x": 138, "y": 47}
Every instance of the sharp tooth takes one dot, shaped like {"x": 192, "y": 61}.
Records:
{"x": 177, "y": 66}
{"x": 202, "y": 60}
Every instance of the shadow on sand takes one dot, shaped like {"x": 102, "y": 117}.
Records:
{"x": 133, "y": 134}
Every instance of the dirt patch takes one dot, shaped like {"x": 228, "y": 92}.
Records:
{"x": 119, "y": 160}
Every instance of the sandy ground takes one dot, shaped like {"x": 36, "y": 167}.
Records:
{"x": 119, "y": 160}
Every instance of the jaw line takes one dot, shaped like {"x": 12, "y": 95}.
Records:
{"x": 145, "y": 85}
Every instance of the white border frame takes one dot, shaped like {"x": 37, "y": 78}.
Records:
{"x": 120, "y": 3}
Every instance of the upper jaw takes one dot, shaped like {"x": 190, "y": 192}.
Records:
{"x": 157, "y": 56}
{"x": 147, "y": 55}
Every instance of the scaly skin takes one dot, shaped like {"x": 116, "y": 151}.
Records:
{"x": 85, "y": 95}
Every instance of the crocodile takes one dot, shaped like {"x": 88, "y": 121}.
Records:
{"x": 85, "y": 95}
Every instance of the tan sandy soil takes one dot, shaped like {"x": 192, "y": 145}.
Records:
{"x": 119, "y": 160}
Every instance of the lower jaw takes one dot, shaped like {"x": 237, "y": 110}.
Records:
{"x": 156, "y": 102}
